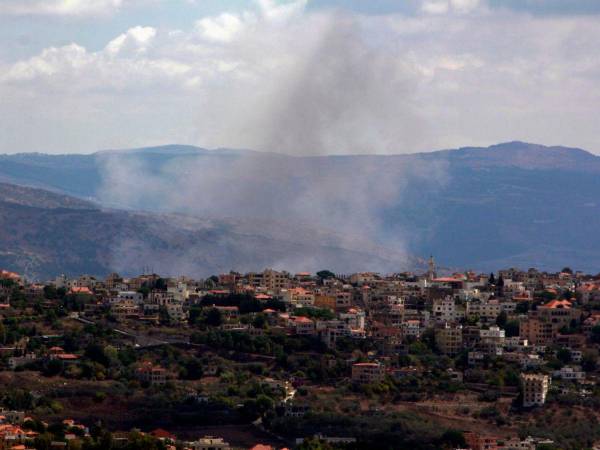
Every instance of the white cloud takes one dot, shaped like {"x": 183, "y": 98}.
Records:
{"x": 303, "y": 81}
{"x": 52, "y": 62}
{"x": 222, "y": 28}
{"x": 136, "y": 39}
{"x": 446, "y": 6}
{"x": 281, "y": 11}
{"x": 465, "y": 5}
{"x": 59, "y": 7}
{"x": 436, "y": 6}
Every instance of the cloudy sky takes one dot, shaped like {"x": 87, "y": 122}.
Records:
{"x": 303, "y": 76}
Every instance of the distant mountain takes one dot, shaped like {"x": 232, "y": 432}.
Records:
{"x": 43, "y": 234}
{"x": 509, "y": 204}
{"x": 39, "y": 198}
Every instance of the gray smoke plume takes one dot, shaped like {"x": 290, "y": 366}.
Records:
{"x": 338, "y": 93}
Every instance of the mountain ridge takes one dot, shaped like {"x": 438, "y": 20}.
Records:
{"x": 43, "y": 238}
{"x": 473, "y": 207}
{"x": 194, "y": 149}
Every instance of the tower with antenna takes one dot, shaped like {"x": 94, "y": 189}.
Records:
{"x": 431, "y": 271}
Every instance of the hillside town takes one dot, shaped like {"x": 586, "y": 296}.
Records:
{"x": 272, "y": 360}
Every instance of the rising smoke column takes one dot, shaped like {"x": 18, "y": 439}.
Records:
{"x": 305, "y": 85}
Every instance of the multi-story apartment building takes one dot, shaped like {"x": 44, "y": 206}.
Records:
{"x": 149, "y": 373}
{"x": 536, "y": 331}
{"x": 275, "y": 281}
{"x": 535, "y": 388}
{"x": 486, "y": 311}
{"x": 298, "y": 296}
{"x": 449, "y": 339}
{"x": 445, "y": 310}
{"x": 365, "y": 373}
{"x": 542, "y": 325}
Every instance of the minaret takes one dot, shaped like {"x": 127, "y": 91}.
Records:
{"x": 431, "y": 272}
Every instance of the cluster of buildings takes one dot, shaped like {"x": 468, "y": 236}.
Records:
{"x": 171, "y": 442}
{"x": 476, "y": 441}
{"x": 515, "y": 315}
{"x": 526, "y": 318}
{"x": 15, "y": 434}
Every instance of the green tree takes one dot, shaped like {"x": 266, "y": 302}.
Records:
{"x": 314, "y": 444}
{"x": 139, "y": 441}
{"x": 95, "y": 352}
{"x": 502, "y": 319}
{"x": 325, "y": 274}
{"x": 214, "y": 318}
{"x": 522, "y": 307}
{"x": 43, "y": 441}
{"x": 512, "y": 328}
{"x": 50, "y": 292}
{"x": 259, "y": 321}
{"x": 453, "y": 439}
{"x": 564, "y": 355}
{"x": 589, "y": 360}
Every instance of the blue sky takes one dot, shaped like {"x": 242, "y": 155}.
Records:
{"x": 298, "y": 76}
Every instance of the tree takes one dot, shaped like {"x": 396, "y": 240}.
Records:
{"x": 138, "y": 441}
{"x": 501, "y": 281}
{"x": 43, "y": 441}
{"x": 589, "y": 360}
{"x": 161, "y": 284}
{"x": 547, "y": 296}
{"x": 453, "y": 439}
{"x": 95, "y": 352}
{"x": 492, "y": 279}
{"x": 53, "y": 368}
{"x": 314, "y": 444}
{"x": 214, "y": 318}
{"x": 325, "y": 274}
{"x": 193, "y": 369}
{"x": 7, "y": 283}
{"x": 194, "y": 315}
{"x": 522, "y": 307}
{"x": 596, "y": 334}
{"x": 511, "y": 328}
{"x": 50, "y": 292}
{"x": 564, "y": 355}
{"x": 163, "y": 315}
{"x": 259, "y": 321}
{"x": 502, "y": 319}
{"x": 254, "y": 408}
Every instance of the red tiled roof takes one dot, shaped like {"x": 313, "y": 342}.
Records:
{"x": 9, "y": 275}
{"x": 553, "y": 304}
{"x": 162, "y": 434}
{"x": 302, "y": 319}
{"x": 80, "y": 290}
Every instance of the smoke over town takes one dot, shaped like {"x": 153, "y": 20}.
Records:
{"x": 334, "y": 92}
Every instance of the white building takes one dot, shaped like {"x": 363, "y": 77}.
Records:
{"x": 535, "y": 389}
{"x": 445, "y": 310}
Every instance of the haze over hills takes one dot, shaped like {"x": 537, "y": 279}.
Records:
{"x": 43, "y": 234}
{"x": 509, "y": 204}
